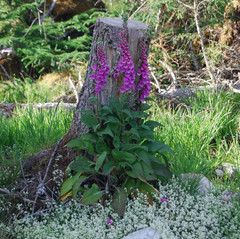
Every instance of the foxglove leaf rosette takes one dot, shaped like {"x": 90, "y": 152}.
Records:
{"x": 100, "y": 77}
{"x": 125, "y": 64}
{"x": 145, "y": 82}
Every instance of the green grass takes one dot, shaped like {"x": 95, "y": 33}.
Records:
{"x": 203, "y": 132}
{"x": 27, "y": 132}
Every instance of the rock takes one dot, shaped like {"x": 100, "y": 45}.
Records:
{"x": 228, "y": 196}
{"x": 230, "y": 169}
{"x": 146, "y": 233}
{"x": 219, "y": 172}
{"x": 204, "y": 185}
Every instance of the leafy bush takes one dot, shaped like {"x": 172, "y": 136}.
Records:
{"x": 118, "y": 152}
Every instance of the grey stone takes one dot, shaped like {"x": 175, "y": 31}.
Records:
{"x": 230, "y": 169}
{"x": 219, "y": 173}
{"x": 204, "y": 185}
{"x": 228, "y": 196}
{"x": 146, "y": 233}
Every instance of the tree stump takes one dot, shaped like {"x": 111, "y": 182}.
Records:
{"x": 107, "y": 29}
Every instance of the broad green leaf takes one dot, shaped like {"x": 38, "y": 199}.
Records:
{"x": 148, "y": 188}
{"x": 112, "y": 119}
{"x": 129, "y": 184}
{"x": 145, "y": 107}
{"x": 139, "y": 114}
{"x": 133, "y": 147}
{"x": 119, "y": 201}
{"x": 152, "y": 124}
{"x": 77, "y": 143}
{"x": 89, "y": 120}
{"x": 107, "y": 131}
{"x": 76, "y": 185}
{"x": 128, "y": 113}
{"x": 87, "y": 112}
{"x": 131, "y": 174}
{"x": 101, "y": 146}
{"x": 138, "y": 171}
{"x": 161, "y": 170}
{"x": 116, "y": 142}
{"x": 148, "y": 172}
{"x": 123, "y": 156}
{"x": 158, "y": 146}
{"x": 67, "y": 185}
{"x": 92, "y": 195}
{"x": 100, "y": 160}
{"x": 82, "y": 164}
{"x": 108, "y": 167}
{"x": 90, "y": 137}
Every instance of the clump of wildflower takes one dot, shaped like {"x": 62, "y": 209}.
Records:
{"x": 110, "y": 222}
{"x": 125, "y": 64}
{"x": 164, "y": 200}
{"x": 101, "y": 75}
{"x": 145, "y": 82}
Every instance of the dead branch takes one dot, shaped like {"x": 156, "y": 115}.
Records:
{"x": 74, "y": 88}
{"x": 49, "y": 11}
{"x": 41, "y": 187}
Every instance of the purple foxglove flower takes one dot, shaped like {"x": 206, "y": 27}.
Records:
{"x": 110, "y": 222}
{"x": 164, "y": 200}
{"x": 102, "y": 74}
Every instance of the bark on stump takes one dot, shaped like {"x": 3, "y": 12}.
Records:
{"x": 107, "y": 29}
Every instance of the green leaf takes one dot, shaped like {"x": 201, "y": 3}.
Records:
{"x": 123, "y": 156}
{"x": 100, "y": 160}
{"x": 92, "y": 195}
{"x": 76, "y": 186}
{"x": 148, "y": 188}
{"x": 152, "y": 124}
{"x": 148, "y": 172}
{"x": 82, "y": 164}
{"x": 145, "y": 107}
{"x": 128, "y": 113}
{"x": 133, "y": 147}
{"x": 112, "y": 119}
{"x": 161, "y": 170}
{"x": 108, "y": 167}
{"x": 107, "y": 131}
{"x": 139, "y": 114}
{"x": 119, "y": 201}
{"x": 77, "y": 143}
{"x": 90, "y": 137}
{"x": 88, "y": 120}
{"x": 116, "y": 142}
{"x": 68, "y": 183}
{"x": 157, "y": 146}
{"x": 129, "y": 184}
{"x": 101, "y": 146}
{"x": 138, "y": 171}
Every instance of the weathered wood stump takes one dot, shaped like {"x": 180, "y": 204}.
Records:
{"x": 107, "y": 29}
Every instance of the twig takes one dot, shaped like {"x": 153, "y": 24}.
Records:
{"x": 41, "y": 188}
{"x": 195, "y": 10}
{"x": 74, "y": 88}
{"x": 174, "y": 80}
{"x": 80, "y": 79}
{"x": 30, "y": 27}
{"x": 185, "y": 5}
{"x": 157, "y": 85}
{"x": 192, "y": 51}
{"x": 138, "y": 9}
{"x": 10, "y": 78}
{"x": 49, "y": 11}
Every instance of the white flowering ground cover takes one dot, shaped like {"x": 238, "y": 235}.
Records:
{"x": 182, "y": 215}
